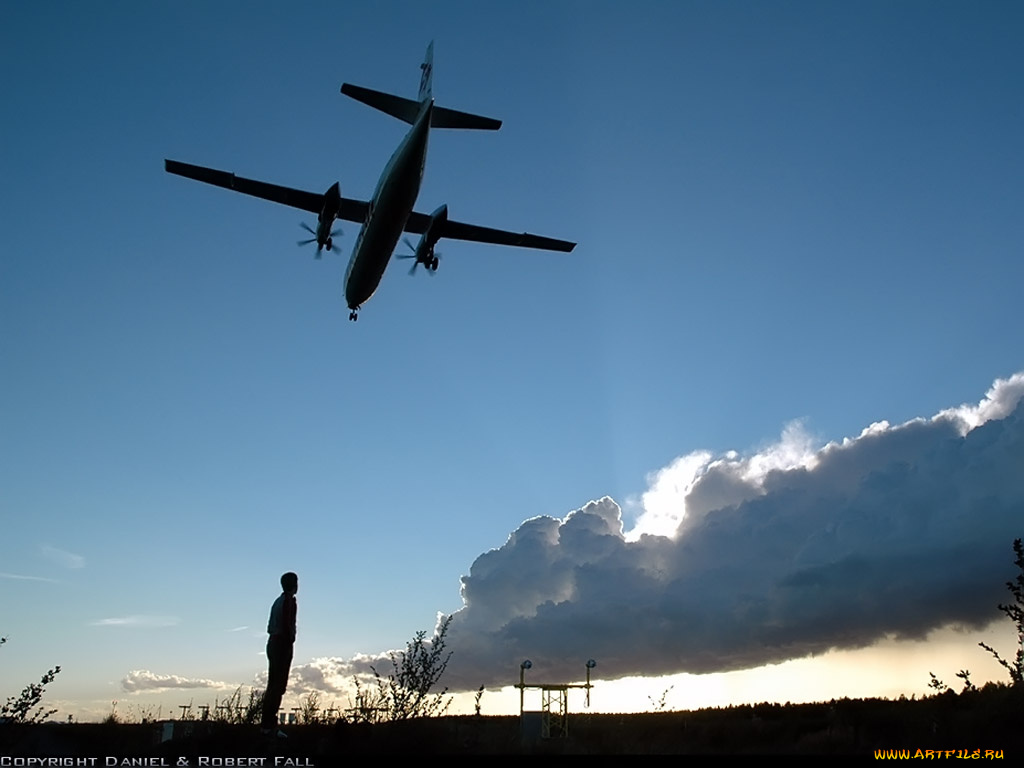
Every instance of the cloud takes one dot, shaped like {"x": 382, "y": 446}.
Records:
{"x": 20, "y": 577}
{"x": 999, "y": 402}
{"x": 138, "y": 620}
{"x": 327, "y": 674}
{"x": 784, "y": 553}
{"x": 144, "y": 680}
{"x": 737, "y": 561}
{"x": 62, "y": 557}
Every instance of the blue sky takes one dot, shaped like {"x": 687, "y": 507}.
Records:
{"x": 786, "y": 212}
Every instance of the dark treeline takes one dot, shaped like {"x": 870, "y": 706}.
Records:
{"x": 985, "y": 719}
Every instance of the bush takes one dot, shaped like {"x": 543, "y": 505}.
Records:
{"x": 234, "y": 710}
{"x": 406, "y": 692}
{"x": 26, "y": 707}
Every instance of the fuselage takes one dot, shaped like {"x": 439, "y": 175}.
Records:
{"x": 389, "y": 209}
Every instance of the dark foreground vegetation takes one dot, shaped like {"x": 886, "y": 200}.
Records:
{"x": 986, "y": 719}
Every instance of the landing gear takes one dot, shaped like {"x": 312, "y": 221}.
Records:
{"x": 352, "y": 315}
{"x": 433, "y": 264}
{"x": 329, "y": 243}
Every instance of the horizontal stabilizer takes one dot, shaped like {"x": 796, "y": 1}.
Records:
{"x": 451, "y": 118}
{"x": 407, "y": 110}
{"x": 404, "y": 109}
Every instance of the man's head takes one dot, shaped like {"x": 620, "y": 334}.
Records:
{"x": 290, "y": 583}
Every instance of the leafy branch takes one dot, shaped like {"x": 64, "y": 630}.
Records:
{"x": 1015, "y": 612}
{"x": 25, "y": 708}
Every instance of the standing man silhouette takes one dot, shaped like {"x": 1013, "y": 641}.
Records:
{"x": 280, "y": 645}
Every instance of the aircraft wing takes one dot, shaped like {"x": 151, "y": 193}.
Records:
{"x": 456, "y": 230}
{"x": 356, "y": 210}
{"x": 313, "y": 202}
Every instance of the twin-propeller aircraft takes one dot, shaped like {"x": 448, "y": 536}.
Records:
{"x": 390, "y": 212}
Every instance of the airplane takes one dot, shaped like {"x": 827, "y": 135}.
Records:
{"x": 389, "y": 212}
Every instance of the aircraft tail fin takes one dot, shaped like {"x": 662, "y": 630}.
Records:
{"x": 427, "y": 76}
{"x": 407, "y": 110}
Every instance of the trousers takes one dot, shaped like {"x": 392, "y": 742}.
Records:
{"x": 279, "y": 658}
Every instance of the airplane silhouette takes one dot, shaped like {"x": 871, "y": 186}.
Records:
{"x": 389, "y": 212}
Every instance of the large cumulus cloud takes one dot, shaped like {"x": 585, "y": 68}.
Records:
{"x": 788, "y": 552}
{"x": 738, "y": 561}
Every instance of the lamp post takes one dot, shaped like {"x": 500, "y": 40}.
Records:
{"x": 522, "y": 684}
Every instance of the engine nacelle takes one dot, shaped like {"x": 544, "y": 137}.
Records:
{"x": 332, "y": 203}
{"x": 329, "y": 212}
{"x": 425, "y": 247}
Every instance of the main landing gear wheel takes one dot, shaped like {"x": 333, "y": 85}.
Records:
{"x": 329, "y": 244}
{"x": 352, "y": 315}
{"x": 433, "y": 264}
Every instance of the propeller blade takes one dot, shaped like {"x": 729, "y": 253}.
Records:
{"x": 307, "y": 242}
{"x": 338, "y": 231}
{"x": 412, "y": 271}
{"x": 309, "y": 229}
{"x": 409, "y": 245}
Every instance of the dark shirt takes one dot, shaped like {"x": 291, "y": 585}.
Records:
{"x": 282, "y": 617}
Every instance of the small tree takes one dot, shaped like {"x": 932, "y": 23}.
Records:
{"x": 26, "y": 707}
{"x": 476, "y": 699}
{"x": 253, "y": 711}
{"x": 661, "y": 703}
{"x": 938, "y": 685}
{"x": 406, "y": 692}
{"x": 965, "y": 675}
{"x": 310, "y": 712}
{"x": 112, "y": 718}
{"x": 1015, "y": 612}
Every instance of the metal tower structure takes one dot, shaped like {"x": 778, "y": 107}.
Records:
{"x": 554, "y": 702}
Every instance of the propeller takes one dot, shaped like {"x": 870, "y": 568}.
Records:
{"x": 430, "y": 268}
{"x": 313, "y": 239}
